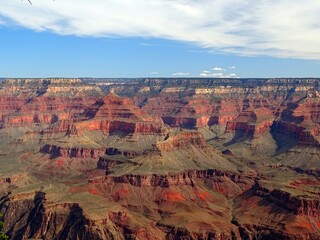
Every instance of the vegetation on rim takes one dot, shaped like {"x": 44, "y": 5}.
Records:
{"x": 3, "y": 236}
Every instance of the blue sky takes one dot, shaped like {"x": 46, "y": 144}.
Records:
{"x": 63, "y": 39}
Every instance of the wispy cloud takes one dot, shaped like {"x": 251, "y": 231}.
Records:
{"x": 278, "y": 28}
{"x": 154, "y": 73}
{"x": 180, "y": 74}
{"x": 146, "y": 44}
{"x": 233, "y": 67}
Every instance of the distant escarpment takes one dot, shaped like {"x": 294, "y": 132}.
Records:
{"x": 33, "y": 102}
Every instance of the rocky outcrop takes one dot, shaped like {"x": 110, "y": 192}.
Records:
{"x": 115, "y": 151}
{"x": 305, "y": 206}
{"x": 313, "y": 172}
{"x": 71, "y": 152}
{"x": 113, "y": 125}
{"x": 105, "y": 163}
{"x": 302, "y": 118}
{"x": 217, "y": 180}
{"x": 38, "y": 219}
{"x": 182, "y": 140}
{"x": 299, "y": 205}
{"x": 113, "y": 113}
{"x": 225, "y": 110}
{"x": 252, "y": 121}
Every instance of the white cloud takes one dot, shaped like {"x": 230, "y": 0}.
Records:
{"x": 181, "y": 74}
{"x": 231, "y": 75}
{"x": 154, "y": 73}
{"x": 218, "y": 69}
{"x": 218, "y": 75}
{"x": 203, "y": 74}
{"x": 278, "y": 28}
{"x": 208, "y": 74}
{"x": 233, "y": 67}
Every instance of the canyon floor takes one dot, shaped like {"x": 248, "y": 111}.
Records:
{"x": 160, "y": 158}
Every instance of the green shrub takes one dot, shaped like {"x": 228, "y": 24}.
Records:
{"x": 3, "y": 236}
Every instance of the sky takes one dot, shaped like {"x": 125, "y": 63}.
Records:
{"x": 160, "y": 38}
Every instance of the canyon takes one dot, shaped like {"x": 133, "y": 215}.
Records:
{"x": 160, "y": 158}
